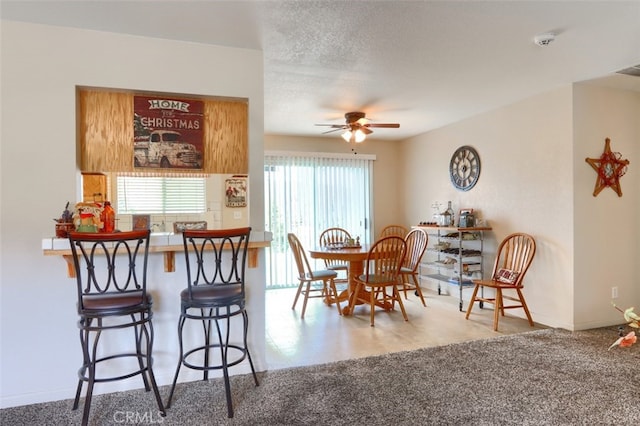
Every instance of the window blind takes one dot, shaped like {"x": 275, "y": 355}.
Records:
{"x": 160, "y": 195}
{"x": 306, "y": 193}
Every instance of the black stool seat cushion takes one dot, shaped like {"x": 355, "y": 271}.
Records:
{"x": 116, "y": 302}
{"x": 227, "y": 294}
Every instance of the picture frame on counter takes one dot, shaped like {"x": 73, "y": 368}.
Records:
{"x": 140, "y": 222}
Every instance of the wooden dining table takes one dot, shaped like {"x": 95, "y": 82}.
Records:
{"x": 355, "y": 257}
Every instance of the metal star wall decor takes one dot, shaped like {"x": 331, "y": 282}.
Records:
{"x": 609, "y": 168}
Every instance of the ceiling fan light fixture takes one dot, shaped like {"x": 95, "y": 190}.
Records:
{"x": 356, "y": 127}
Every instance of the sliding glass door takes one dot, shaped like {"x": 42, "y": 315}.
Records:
{"x": 306, "y": 193}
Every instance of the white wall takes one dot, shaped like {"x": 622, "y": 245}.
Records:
{"x": 41, "y": 67}
{"x": 607, "y": 236}
{"x": 524, "y": 186}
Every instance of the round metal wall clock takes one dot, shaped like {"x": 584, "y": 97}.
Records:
{"x": 464, "y": 168}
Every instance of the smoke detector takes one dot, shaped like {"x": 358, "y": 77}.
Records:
{"x": 544, "y": 39}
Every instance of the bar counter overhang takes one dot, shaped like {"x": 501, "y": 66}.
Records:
{"x": 161, "y": 242}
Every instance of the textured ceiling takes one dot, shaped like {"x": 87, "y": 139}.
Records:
{"x": 423, "y": 64}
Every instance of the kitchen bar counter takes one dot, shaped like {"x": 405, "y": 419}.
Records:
{"x": 166, "y": 243}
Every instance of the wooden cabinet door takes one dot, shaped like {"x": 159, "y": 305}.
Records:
{"x": 94, "y": 187}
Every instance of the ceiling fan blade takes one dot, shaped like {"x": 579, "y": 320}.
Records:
{"x": 365, "y": 130}
{"x": 332, "y": 130}
{"x": 335, "y": 126}
{"x": 385, "y": 125}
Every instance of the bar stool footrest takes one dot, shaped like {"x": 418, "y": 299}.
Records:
{"x": 218, "y": 366}
{"x": 82, "y": 370}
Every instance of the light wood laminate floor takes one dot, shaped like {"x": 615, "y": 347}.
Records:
{"x": 324, "y": 336}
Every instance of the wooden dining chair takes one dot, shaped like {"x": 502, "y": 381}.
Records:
{"x": 394, "y": 230}
{"x": 309, "y": 279}
{"x": 381, "y": 272}
{"x": 416, "y": 241}
{"x": 515, "y": 255}
{"x": 333, "y": 236}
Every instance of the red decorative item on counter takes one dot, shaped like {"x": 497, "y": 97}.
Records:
{"x": 63, "y": 228}
{"x": 65, "y": 223}
{"x": 108, "y": 218}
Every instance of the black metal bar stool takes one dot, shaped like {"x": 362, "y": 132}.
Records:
{"x": 111, "y": 271}
{"x": 215, "y": 293}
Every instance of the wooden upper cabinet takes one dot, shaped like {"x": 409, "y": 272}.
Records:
{"x": 226, "y": 136}
{"x": 105, "y": 133}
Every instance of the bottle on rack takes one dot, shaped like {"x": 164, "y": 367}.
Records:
{"x": 451, "y": 214}
{"x": 108, "y": 218}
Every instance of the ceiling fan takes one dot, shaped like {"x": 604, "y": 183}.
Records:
{"x": 357, "y": 127}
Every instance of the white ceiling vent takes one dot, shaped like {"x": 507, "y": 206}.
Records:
{"x": 634, "y": 71}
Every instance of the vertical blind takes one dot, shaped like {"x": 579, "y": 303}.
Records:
{"x": 306, "y": 193}
{"x": 160, "y": 194}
